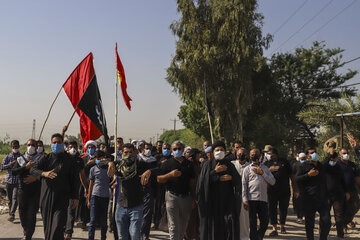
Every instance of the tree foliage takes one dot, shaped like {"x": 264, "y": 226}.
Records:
{"x": 219, "y": 44}
{"x": 184, "y": 135}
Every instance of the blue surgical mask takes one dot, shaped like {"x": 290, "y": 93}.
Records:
{"x": 332, "y": 163}
{"x": 57, "y": 147}
{"x": 177, "y": 153}
{"x": 302, "y": 161}
{"x": 118, "y": 152}
{"x": 90, "y": 151}
{"x": 97, "y": 161}
{"x": 166, "y": 152}
{"x": 314, "y": 157}
{"x": 205, "y": 147}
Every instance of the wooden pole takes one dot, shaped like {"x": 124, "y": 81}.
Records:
{"x": 115, "y": 136}
{"x": 47, "y": 117}
{"x": 72, "y": 116}
{"x": 211, "y": 132}
{"x": 342, "y": 132}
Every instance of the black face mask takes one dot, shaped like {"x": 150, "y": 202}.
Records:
{"x": 255, "y": 158}
{"x": 241, "y": 157}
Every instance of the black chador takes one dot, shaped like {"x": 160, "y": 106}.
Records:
{"x": 219, "y": 202}
{"x": 55, "y": 193}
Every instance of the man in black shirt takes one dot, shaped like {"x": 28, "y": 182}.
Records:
{"x": 312, "y": 181}
{"x": 177, "y": 173}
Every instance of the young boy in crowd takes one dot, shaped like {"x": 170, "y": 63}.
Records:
{"x": 98, "y": 198}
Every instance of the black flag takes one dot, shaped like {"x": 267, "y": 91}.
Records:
{"x": 90, "y": 103}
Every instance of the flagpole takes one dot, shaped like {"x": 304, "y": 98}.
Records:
{"x": 211, "y": 132}
{"x": 47, "y": 117}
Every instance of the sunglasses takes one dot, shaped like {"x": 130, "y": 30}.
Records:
{"x": 175, "y": 149}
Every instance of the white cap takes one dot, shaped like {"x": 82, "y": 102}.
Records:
{"x": 187, "y": 148}
{"x": 90, "y": 142}
{"x": 133, "y": 141}
{"x": 301, "y": 155}
{"x": 208, "y": 149}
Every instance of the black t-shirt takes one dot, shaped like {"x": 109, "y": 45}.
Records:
{"x": 178, "y": 185}
{"x": 282, "y": 175}
{"x": 79, "y": 162}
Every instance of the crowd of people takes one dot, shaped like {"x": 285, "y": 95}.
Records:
{"x": 207, "y": 194}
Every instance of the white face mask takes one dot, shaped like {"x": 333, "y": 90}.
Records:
{"x": 147, "y": 152}
{"x": 219, "y": 155}
{"x": 72, "y": 151}
{"x": 297, "y": 159}
{"x": 40, "y": 149}
{"x": 267, "y": 156}
{"x": 345, "y": 157}
{"x": 15, "y": 150}
{"x": 31, "y": 150}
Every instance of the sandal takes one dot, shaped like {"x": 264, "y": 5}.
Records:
{"x": 273, "y": 233}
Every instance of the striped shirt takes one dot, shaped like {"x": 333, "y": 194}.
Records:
{"x": 6, "y": 165}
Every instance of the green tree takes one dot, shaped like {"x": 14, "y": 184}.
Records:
{"x": 219, "y": 44}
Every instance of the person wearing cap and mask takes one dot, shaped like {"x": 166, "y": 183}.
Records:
{"x": 29, "y": 188}
{"x": 351, "y": 176}
{"x": 59, "y": 183}
{"x": 89, "y": 161}
{"x": 279, "y": 193}
{"x": 297, "y": 201}
{"x": 149, "y": 191}
{"x": 255, "y": 180}
{"x": 240, "y": 164}
{"x": 217, "y": 192}
{"x": 12, "y": 181}
{"x": 176, "y": 173}
{"x": 40, "y": 147}
{"x": 266, "y": 156}
{"x": 79, "y": 163}
{"x": 312, "y": 184}
{"x": 337, "y": 191}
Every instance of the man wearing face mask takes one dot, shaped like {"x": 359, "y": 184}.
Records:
{"x": 89, "y": 161}
{"x": 240, "y": 164}
{"x": 12, "y": 181}
{"x": 218, "y": 191}
{"x": 59, "y": 183}
{"x": 72, "y": 150}
{"x": 29, "y": 188}
{"x": 149, "y": 191}
{"x": 255, "y": 180}
{"x": 297, "y": 201}
{"x": 336, "y": 188}
{"x": 40, "y": 148}
{"x": 177, "y": 173}
{"x": 312, "y": 181}
{"x": 351, "y": 174}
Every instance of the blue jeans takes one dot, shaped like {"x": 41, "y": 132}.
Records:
{"x": 128, "y": 222}
{"x": 98, "y": 214}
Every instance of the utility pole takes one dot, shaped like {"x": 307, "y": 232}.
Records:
{"x": 33, "y": 129}
{"x": 157, "y": 137}
{"x": 175, "y": 120}
{"x": 163, "y": 130}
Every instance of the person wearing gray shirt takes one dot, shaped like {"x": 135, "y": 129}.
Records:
{"x": 255, "y": 180}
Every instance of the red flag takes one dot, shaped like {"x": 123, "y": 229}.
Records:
{"x": 122, "y": 79}
{"x": 74, "y": 88}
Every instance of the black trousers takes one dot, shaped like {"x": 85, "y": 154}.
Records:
{"x": 281, "y": 199}
{"x": 351, "y": 207}
{"x": 12, "y": 194}
{"x": 147, "y": 212}
{"x": 69, "y": 228}
{"x": 310, "y": 208}
{"x": 339, "y": 214}
{"x": 298, "y": 206}
{"x": 28, "y": 207}
{"x": 258, "y": 209}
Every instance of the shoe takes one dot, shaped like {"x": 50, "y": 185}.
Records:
{"x": 273, "y": 233}
{"x": 67, "y": 236}
{"x": 299, "y": 220}
{"x": 352, "y": 224}
{"x": 11, "y": 218}
{"x": 283, "y": 230}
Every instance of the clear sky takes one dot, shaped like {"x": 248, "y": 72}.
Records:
{"x": 41, "y": 42}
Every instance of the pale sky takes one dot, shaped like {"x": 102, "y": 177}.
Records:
{"x": 41, "y": 42}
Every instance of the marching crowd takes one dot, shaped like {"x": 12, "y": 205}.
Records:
{"x": 207, "y": 194}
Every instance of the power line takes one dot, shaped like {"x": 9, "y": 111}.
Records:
{"x": 303, "y": 26}
{"x": 330, "y": 20}
{"x": 291, "y": 16}
{"x": 329, "y": 88}
{"x": 354, "y": 59}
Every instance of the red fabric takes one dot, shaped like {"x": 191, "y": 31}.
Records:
{"x": 74, "y": 88}
{"x": 122, "y": 79}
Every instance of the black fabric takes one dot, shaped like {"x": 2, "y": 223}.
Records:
{"x": 281, "y": 176}
{"x": 28, "y": 207}
{"x": 147, "y": 212}
{"x": 23, "y": 173}
{"x": 179, "y": 185}
{"x": 217, "y": 202}
{"x": 335, "y": 183}
{"x": 281, "y": 199}
{"x": 258, "y": 208}
{"x": 310, "y": 208}
{"x": 350, "y": 172}
{"x": 312, "y": 188}
{"x": 131, "y": 190}
{"x": 55, "y": 193}
{"x": 339, "y": 214}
